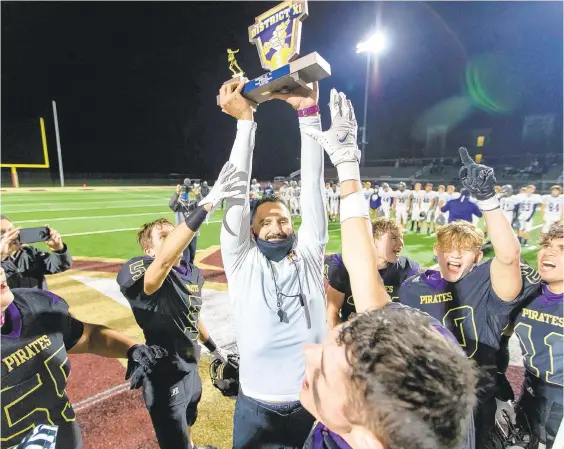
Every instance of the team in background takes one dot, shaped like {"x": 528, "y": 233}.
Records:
{"x": 392, "y": 355}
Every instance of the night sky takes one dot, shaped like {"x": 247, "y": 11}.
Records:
{"x": 136, "y": 82}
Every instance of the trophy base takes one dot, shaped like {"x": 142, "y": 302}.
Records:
{"x": 292, "y": 77}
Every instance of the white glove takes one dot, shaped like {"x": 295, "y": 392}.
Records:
{"x": 226, "y": 186}
{"x": 339, "y": 141}
{"x": 507, "y": 407}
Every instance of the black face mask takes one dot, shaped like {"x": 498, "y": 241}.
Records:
{"x": 276, "y": 251}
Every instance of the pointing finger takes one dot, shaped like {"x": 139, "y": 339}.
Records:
{"x": 466, "y": 159}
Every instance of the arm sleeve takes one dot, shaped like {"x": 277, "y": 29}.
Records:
{"x": 313, "y": 231}
{"x": 58, "y": 319}
{"x": 173, "y": 203}
{"x": 337, "y": 274}
{"x": 56, "y": 262}
{"x": 477, "y": 210}
{"x": 11, "y": 271}
{"x": 235, "y": 231}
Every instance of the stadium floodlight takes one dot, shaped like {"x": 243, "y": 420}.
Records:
{"x": 374, "y": 44}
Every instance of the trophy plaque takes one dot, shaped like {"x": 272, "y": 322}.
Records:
{"x": 277, "y": 35}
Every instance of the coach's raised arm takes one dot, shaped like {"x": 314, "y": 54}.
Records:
{"x": 275, "y": 279}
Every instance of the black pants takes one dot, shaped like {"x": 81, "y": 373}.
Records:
{"x": 261, "y": 425}
{"x": 541, "y": 415}
{"x": 172, "y": 402}
{"x": 189, "y": 254}
{"x": 484, "y": 421}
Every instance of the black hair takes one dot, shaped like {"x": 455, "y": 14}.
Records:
{"x": 263, "y": 200}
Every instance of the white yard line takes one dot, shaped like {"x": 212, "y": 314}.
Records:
{"x": 80, "y": 208}
{"x": 99, "y": 397}
{"x": 107, "y": 231}
{"x": 93, "y": 217}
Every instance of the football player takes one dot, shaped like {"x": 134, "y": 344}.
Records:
{"x": 402, "y": 204}
{"x": 295, "y": 198}
{"x": 416, "y": 198}
{"x": 38, "y": 333}
{"x": 539, "y": 328}
{"x": 333, "y": 203}
{"x": 392, "y": 268}
{"x": 527, "y": 206}
{"x": 442, "y": 198}
{"x": 165, "y": 294}
{"x": 386, "y": 196}
{"x": 428, "y": 205}
{"x": 508, "y": 203}
{"x": 475, "y": 300}
{"x": 552, "y": 207}
{"x": 255, "y": 189}
{"x": 367, "y": 191}
{"x": 391, "y": 376}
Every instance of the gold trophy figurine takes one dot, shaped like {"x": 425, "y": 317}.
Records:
{"x": 233, "y": 64}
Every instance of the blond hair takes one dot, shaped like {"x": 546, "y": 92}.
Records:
{"x": 382, "y": 226}
{"x": 144, "y": 234}
{"x": 460, "y": 235}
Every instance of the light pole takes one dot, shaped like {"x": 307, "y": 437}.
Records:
{"x": 374, "y": 44}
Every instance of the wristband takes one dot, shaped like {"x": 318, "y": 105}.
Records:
{"x": 196, "y": 218}
{"x": 210, "y": 345}
{"x": 307, "y": 112}
{"x": 489, "y": 204}
{"x": 354, "y": 206}
{"x": 347, "y": 171}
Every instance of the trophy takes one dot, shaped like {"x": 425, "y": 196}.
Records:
{"x": 277, "y": 35}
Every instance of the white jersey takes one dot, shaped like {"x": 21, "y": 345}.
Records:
{"x": 508, "y": 203}
{"x": 367, "y": 194}
{"x": 443, "y": 198}
{"x": 527, "y": 204}
{"x": 270, "y": 336}
{"x": 255, "y": 188}
{"x": 333, "y": 197}
{"x": 402, "y": 199}
{"x": 553, "y": 206}
{"x": 386, "y": 197}
{"x": 428, "y": 199}
{"x": 417, "y": 198}
{"x": 295, "y": 192}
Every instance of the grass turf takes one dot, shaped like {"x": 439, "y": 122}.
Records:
{"x": 104, "y": 223}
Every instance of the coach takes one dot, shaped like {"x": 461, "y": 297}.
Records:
{"x": 275, "y": 279}
{"x": 25, "y": 265}
{"x": 461, "y": 208}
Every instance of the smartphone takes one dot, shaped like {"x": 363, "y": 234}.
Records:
{"x": 33, "y": 235}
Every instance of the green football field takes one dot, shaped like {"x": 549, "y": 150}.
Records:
{"x": 101, "y": 223}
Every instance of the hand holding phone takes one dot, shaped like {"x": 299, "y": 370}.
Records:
{"x": 34, "y": 235}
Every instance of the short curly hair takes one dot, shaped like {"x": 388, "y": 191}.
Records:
{"x": 556, "y": 231}
{"x": 461, "y": 235}
{"x": 411, "y": 386}
{"x": 382, "y": 226}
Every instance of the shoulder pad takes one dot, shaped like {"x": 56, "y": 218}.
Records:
{"x": 133, "y": 270}
{"x": 38, "y": 301}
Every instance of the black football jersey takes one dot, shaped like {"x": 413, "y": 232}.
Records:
{"x": 469, "y": 308}
{"x": 169, "y": 317}
{"x": 392, "y": 276}
{"x": 35, "y": 367}
{"x": 540, "y": 328}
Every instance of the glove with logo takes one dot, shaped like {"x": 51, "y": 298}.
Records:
{"x": 479, "y": 180}
{"x": 339, "y": 141}
{"x": 228, "y": 185}
{"x": 140, "y": 362}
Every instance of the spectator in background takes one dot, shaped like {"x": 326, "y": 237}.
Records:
{"x": 25, "y": 265}
{"x": 183, "y": 206}
{"x": 461, "y": 208}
